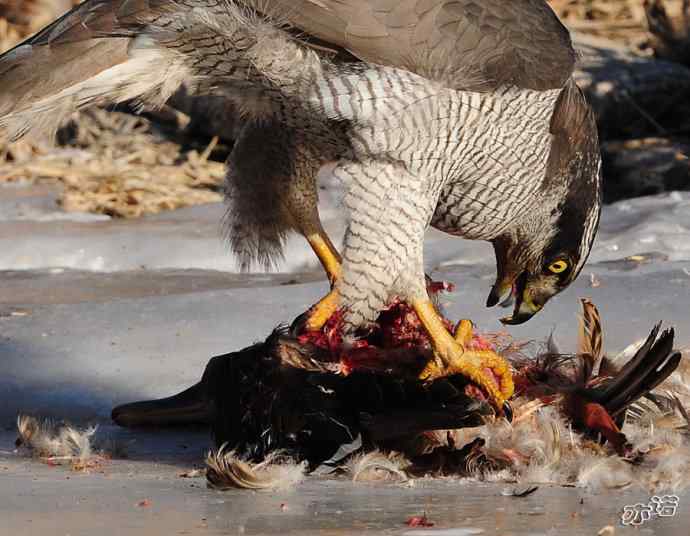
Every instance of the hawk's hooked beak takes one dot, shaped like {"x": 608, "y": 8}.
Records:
{"x": 525, "y": 304}
{"x": 503, "y": 290}
{"x": 508, "y": 290}
{"x": 512, "y": 285}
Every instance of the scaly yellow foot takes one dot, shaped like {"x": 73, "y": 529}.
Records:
{"x": 318, "y": 314}
{"x": 452, "y": 356}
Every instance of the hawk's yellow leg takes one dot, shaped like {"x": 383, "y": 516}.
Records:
{"x": 452, "y": 356}
{"x": 331, "y": 261}
{"x": 327, "y": 254}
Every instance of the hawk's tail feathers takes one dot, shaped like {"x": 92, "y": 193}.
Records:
{"x": 255, "y": 240}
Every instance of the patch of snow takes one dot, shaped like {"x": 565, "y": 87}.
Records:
{"x": 192, "y": 238}
{"x": 26, "y": 202}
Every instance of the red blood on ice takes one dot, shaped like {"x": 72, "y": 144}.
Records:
{"x": 419, "y": 521}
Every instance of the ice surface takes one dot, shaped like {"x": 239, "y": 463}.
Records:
{"x": 23, "y": 202}
{"x": 45, "y": 500}
{"x": 186, "y": 238}
{"x": 192, "y": 237}
{"x": 648, "y": 224}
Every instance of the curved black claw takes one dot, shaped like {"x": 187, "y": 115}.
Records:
{"x": 508, "y": 411}
{"x": 299, "y": 325}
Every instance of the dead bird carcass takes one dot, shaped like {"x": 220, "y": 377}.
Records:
{"x": 306, "y": 398}
{"x": 302, "y": 395}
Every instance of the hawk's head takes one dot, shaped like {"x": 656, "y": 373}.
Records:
{"x": 546, "y": 249}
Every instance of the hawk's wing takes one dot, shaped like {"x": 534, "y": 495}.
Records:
{"x": 115, "y": 50}
{"x": 109, "y": 51}
{"x": 70, "y": 50}
{"x": 467, "y": 44}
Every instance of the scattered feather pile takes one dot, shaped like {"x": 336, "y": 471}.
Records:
{"x": 57, "y": 442}
{"x": 539, "y": 448}
{"x": 544, "y": 449}
{"x": 225, "y": 470}
{"x": 377, "y": 466}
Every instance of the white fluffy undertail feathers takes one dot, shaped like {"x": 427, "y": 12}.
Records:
{"x": 377, "y": 466}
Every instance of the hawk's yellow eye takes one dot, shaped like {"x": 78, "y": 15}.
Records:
{"x": 558, "y": 267}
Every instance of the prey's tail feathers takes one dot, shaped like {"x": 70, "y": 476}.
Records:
{"x": 590, "y": 335}
{"x": 111, "y": 51}
{"x": 652, "y": 364}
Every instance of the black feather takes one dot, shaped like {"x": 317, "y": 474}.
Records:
{"x": 650, "y": 366}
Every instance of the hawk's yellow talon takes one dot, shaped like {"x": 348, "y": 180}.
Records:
{"x": 463, "y": 332}
{"x": 319, "y": 313}
{"x": 452, "y": 356}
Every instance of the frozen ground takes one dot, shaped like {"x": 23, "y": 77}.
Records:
{"x": 96, "y": 312}
{"x": 38, "y": 500}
